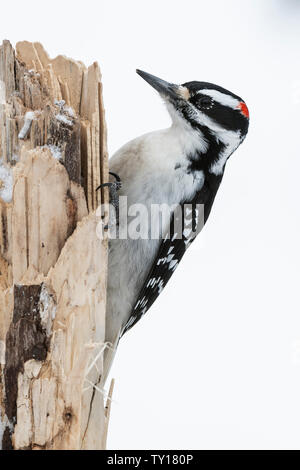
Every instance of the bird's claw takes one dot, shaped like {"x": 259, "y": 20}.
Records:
{"x": 113, "y": 186}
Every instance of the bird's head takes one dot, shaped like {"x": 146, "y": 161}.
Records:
{"x": 219, "y": 115}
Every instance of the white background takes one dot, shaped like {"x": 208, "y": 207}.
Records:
{"x": 216, "y": 362}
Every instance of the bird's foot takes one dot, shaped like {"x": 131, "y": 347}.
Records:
{"x": 114, "y": 187}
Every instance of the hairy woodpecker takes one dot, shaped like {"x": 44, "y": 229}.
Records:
{"x": 183, "y": 164}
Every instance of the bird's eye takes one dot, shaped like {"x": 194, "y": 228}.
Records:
{"x": 205, "y": 102}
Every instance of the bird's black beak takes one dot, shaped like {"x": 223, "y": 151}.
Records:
{"x": 164, "y": 88}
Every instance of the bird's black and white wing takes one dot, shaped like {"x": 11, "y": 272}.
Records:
{"x": 194, "y": 215}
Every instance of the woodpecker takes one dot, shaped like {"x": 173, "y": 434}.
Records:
{"x": 181, "y": 165}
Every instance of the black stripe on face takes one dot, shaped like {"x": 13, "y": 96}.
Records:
{"x": 225, "y": 116}
{"x": 203, "y": 161}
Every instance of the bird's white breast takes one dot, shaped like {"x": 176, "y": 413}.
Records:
{"x": 146, "y": 167}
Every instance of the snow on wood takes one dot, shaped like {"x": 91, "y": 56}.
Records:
{"x": 29, "y": 117}
{"x": 53, "y": 267}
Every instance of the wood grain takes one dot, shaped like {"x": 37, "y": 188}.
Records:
{"x": 53, "y": 266}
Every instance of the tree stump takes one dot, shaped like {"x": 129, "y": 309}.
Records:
{"x": 53, "y": 266}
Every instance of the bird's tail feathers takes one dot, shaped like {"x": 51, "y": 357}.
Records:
{"x": 108, "y": 358}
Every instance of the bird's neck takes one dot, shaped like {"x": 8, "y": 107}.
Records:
{"x": 205, "y": 150}
{"x": 190, "y": 140}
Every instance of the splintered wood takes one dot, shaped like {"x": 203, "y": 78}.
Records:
{"x": 53, "y": 266}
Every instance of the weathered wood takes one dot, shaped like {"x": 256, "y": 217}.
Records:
{"x": 53, "y": 266}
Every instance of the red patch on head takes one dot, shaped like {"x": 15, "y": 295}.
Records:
{"x": 243, "y": 108}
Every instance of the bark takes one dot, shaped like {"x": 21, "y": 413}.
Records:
{"x": 53, "y": 263}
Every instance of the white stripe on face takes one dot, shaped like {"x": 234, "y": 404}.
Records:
{"x": 231, "y": 140}
{"x": 222, "y": 98}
